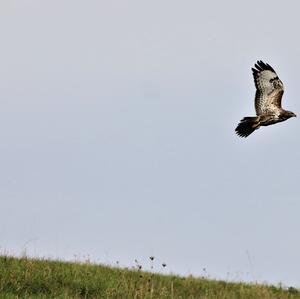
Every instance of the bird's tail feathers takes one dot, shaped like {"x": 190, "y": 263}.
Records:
{"x": 247, "y": 126}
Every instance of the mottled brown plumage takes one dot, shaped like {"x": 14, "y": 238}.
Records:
{"x": 269, "y": 91}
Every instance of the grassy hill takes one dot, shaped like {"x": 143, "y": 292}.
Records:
{"x": 30, "y": 278}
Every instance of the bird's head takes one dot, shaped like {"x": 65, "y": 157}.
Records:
{"x": 290, "y": 114}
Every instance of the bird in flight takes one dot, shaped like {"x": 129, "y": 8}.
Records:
{"x": 269, "y": 91}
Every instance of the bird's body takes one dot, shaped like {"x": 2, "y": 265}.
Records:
{"x": 269, "y": 91}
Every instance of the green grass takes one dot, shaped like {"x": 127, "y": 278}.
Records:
{"x": 36, "y": 279}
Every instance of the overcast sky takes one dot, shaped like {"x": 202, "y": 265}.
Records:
{"x": 117, "y": 135}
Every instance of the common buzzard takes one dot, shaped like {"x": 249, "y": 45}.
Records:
{"x": 269, "y": 91}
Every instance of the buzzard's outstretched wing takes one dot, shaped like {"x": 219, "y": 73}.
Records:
{"x": 269, "y": 89}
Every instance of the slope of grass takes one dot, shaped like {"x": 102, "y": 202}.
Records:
{"x": 29, "y": 278}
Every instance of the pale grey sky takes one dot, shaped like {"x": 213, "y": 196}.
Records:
{"x": 117, "y": 135}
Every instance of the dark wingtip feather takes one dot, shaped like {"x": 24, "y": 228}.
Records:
{"x": 242, "y": 131}
{"x": 245, "y": 127}
{"x": 261, "y": 66}
{"x": 258, "y": 67}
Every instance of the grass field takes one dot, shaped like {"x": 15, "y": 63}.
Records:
{"x": 30, "y": 278}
